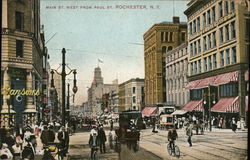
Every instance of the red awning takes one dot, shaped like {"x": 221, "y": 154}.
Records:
{"x": 230, "y": 105}
{"x": 192, "y": 84}
{"x": 196, "y": 105}
{"x": 247, "y": 75}
{"x": 226, "y": 78}
{"x": 214, "y": 80}
{"x": 246, "y": 103}
{"x": 149, "y": 111}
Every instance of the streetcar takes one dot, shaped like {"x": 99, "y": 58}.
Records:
{"x": 166, "y": 119}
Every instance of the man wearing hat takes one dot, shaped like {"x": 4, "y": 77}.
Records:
{"x": 30, "y": 149}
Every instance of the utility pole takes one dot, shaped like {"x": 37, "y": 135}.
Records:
{"x": 68, "y": 103}
{"x": 63, "y": 74}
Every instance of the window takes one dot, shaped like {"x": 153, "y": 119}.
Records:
{"x": 209, "y": 41}
{"x": 170, "y": 48}
{"x": 234, "y": 56}
{"x": 205, "y": 64}
{"x": 195, "y": 48}
{"x": 164, "y": 49}
{"x": 227, "y": 32}
{"x": 142, "y": 90}
{"x": 19, "y": 20}
{"x": 195, "y": 67}
{"x": 194, "y": 24}
{"x": 133, "y": 90}
{"x": 199, "y": 66}
{"x": 162, "y": 36}
{"x": 199, "y": 46}
{"x": 213, "y": 14}
{"x": 198, "y": 24}
{"x": 208, "y": 17}
{"x": 221, "y": 35}
{"x": 190, "y": 28}
{"x": 191, "y": 67}
{"x": 228, "y": 56}
{"x": 214, "y": 61}
{"x": 214, "y": 39}
{"x": 222, "y": 58}
{"x": 247, "y": 27}
{"x": 228, "y": 90}
{"x": 233, "y": 30}
{"x": 220, "y": 10}
{"x": 226, "y": 7}
{"x": 196, "y": 94}
{"x": 171, "y": 36}
{"x": 205, "y": 43}
{"x": 191, "y": 49}
{"x": 209, "y": 62}
{"x": 166, "y": 36}
{"x": 232, "y": 5}
{"x": 204, "y": 19}
{"x": 134, "y": 99}
{"x": 183, "y": 36}
{"x": 19, "y": 48}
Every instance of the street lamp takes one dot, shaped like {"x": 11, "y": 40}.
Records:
{"x": 209, "y": 94}
{"x": 63, "y": 76}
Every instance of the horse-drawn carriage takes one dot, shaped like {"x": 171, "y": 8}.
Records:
{"x": 129, "y": 129}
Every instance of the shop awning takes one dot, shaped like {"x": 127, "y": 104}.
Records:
{"x": 226, "y": 78}
{"x": 196, "y": 105}
{"x": 246, "y": 103}
{"x": 179, "y": 112}
{"x": 247, "y": 75}
{"x": 149, "y": 111}
{"x": 227, "y": 105}
{"x": 214, "y": 80}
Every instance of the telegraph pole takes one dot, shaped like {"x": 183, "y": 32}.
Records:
{"x": 68, "y": 103}
{"x": 63, "y": 74}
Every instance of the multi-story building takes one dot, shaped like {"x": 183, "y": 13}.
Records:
{"x": 97, "y": 90}
{"x": 131, "y": 95}
{"x": 176, "y": 75}
{"x": 218, "y": 45}
{"x": 159, "y": 39}
{"x": 23, "y": 52}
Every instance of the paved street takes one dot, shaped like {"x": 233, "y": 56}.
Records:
{"x": 219, "y": 144}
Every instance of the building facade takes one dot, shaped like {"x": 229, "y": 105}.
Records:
{"x": 131, "y": 95}
{"x": 23, "y": 53}
{"x": 159, "y": 39}
{"x": 218, "y": 46}
{"x": 176, "y": 75}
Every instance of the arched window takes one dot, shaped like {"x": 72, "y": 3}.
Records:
{"x": 170, "y": 48}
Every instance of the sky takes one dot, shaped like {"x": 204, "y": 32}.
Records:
{"x": 106, "y": 31}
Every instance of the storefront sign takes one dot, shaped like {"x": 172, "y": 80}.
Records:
{"x": 30, "y": 92}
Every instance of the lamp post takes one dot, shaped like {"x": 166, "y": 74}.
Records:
{"x": 63, "y": 76}
{"x": 209, "y": 94}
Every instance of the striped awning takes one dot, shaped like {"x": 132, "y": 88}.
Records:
{"x": 149, "y": 111}
{"x": 213, "y": 80}
{"x": 227, "y": 105}
{"x": 196, "y": 105}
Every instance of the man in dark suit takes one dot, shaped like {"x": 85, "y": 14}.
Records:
{"x": 63, "y": 137}
{"x": 103, "y": 139}
{"x": 29, "y": 150}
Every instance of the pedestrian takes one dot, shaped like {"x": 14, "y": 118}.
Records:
{"x": 10, "y": 141}
{"x": 238, "y": 125}
{"x": 103, "y": 139}
{"x": 220, "y": 123}
{"x": 51, "y": 134}
{"x": 111, "y": 125}
{"x": 36, "y": 130}
{"x": 242, "y": 122}
{"x": 233, "y": 124}
{"x": 29, "y": 150}
{"x": 63, "y": 137}
{"x": 189, "y": 133}
{"x": 45, "y": 135}
{"x": 5, "y": 152}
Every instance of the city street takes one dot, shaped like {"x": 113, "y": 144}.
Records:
{"x": 218, "y": 144}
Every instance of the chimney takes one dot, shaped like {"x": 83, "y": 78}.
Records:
{"x": 176, "y": 19}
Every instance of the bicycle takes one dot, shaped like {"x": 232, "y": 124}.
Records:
{"x": 95, "y": 154}
{"x": 173, "y": 151}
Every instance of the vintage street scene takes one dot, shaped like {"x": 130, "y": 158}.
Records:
{"x": 124, "y": 79}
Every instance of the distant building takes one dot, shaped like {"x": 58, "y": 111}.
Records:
{"x": 131, "y": 95}
{"x": 218, "y": 46}
{"x": 158, "y": 40}
{"x": 97, "y": 90}
{"x": 176, "y": 75}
